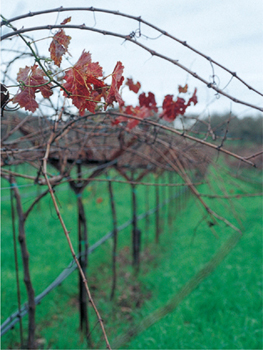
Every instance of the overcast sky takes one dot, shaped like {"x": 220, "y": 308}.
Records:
{"x": 229, "y": 31}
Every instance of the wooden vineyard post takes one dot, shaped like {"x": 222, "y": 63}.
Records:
{"x": 171, "y": 206}
{"x": 164, "y": 202}
{"x": 16, "y": 264}
{"x": 83, "y": 254}
{"x": 177, "y": 194}
{"x": 157, "y": 213}
{"x": 147, "y": 218}
{"x": 25, "y": 258}
{"x": 136, "y": 233}
{"x": 82, "y": 251}
{"x": 115, "y": 233}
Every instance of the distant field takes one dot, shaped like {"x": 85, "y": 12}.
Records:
{"x": 222, "y": 313}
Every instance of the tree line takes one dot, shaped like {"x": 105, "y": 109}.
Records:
{"x": 247, "y": 129}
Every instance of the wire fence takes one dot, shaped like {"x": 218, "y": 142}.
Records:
{"x": 14, "y": 318}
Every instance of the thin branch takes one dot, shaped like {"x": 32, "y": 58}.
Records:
{"x": 140, "y": 20}
{"x": 164, "y": 127}
{"x": 254, "y": 155}
{"x": 34, "y": 203}
{"x": 66, "y": 232}
{"x": 127, "y": 38}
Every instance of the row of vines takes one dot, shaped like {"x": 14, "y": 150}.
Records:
{"x": 78, "y": 130}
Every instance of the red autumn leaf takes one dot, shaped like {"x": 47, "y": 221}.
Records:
{"x": 117, "y": 80}
{"x": 193, "y": 99}
{"x": 148, "y": 101}
{"x": 59, "y": 46}
{"x": 171, "y": 109}
{"x": 84, "y": 85}
{"x": 133, "y": 87}
{"x": 32, "y": 78}
{"x": 183, "y": 89}
{"x": 66, "y": 20}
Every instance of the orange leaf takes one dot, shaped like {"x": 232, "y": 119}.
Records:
{"x": 183, "y": 89}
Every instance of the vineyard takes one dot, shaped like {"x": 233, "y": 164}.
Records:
{"x": 119, "y": 219}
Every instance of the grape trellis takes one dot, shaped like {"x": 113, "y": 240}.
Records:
{"x": 81, "y": 127}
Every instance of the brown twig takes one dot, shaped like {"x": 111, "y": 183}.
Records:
{"x": 125, "y": 37}
{"x": 164, "y": 127}
{"x": 66, "y": 232}
{"x": 140, "y": 20}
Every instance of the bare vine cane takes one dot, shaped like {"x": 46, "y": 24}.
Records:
{"x": 66, "y": 232}
{"x": 128, "y": 38}
{"x": 164, "y": 127}
{"x": 132, "y": 35}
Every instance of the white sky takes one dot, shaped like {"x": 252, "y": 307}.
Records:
{"x": 229, "y": 31}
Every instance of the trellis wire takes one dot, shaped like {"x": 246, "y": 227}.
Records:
{"x": 10, "y": 322}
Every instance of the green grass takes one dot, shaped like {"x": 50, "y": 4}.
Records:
{"x": 222, "y": 313}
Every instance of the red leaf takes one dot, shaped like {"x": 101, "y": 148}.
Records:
{"x": 33, "y": 77}
{"x": 171, "y": 109}
{"x": 148, "y": 102}
{"x": 99, "y": 200}
{"x": 83, "y": 83}
{"x": 193, "y": 99}
{"x": 59, "y": 46}
{"x": 133, "y": 87}
{"x": 66, "y": 20}
{"x": 183, "y": 89}
{"x": 117, "y": 80}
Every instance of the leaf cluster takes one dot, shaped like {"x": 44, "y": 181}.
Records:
{"x": 85, "y": 85}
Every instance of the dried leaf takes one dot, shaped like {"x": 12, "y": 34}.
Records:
{"x": 59, "y": 46}
{"x": 183, "y": 89}
{"x": 66, "y": 20}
